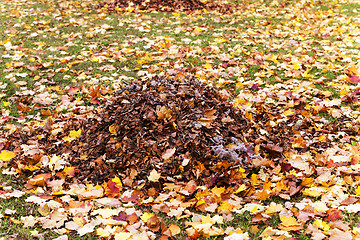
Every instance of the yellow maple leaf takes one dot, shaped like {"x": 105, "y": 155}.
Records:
{"x": 117, "y": 181}
{"x": 225, "y": 207}
{"x": 307, "y": 182}
{"x": 218, "y": 191}
{"x": 72, "y": 135}
{"x": 274, "y": 208}
{"x": 288, "y": 221}
{"x": 75, "y": 134}
{"x": 54, "y": 159}
{"x": 254, "y": 179}
{"x": 6, "y": 155}
{"x": 208, "y": 66}
{"x": 103, "y": 232}
{"x": 296, "y": 66}
{"x": 154, "y": 176}
{"x": 311, "y": 193}
{"x": 146, "y": 216}
{"x": 290, "y": 224}
{"x": 44, "y": 210}
{"x": 207, "y": 219}
{"x": 353, "y": 70}
{"x": 357, "y": 190}
{"x": 321, "y": 224}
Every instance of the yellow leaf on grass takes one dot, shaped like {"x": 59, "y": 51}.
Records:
{"x": 311, "y": 193}
{"x": 174, "y": 229}
{"x": 207, "y": 219}
{"x": 208, "y": 66}
{"x": 6, "y": 104}
{"x": 296, "y": 66}
{"x": 290, "y": 224}
{"x": 34, "y": 232}
{"x": 321, "y": 224}
{"x": 6, "y": 155}
{"x": 146, "y": 216}
{"x": 357, "y": 190}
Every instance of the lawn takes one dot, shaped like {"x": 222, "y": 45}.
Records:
{"x": 292, "y": 68}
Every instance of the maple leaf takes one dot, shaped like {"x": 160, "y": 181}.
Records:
{"x": 290, "y": 224}
{"x": 6, "y": 155}
{"x": 146, "y": 216}
{"x": 113, "y": 186}
{"x": 72, "y": 135}
{"x": 154, "y": 176}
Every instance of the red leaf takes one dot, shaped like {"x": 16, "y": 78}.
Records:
{"x": 354, "y": 79}
{"x": 333, "y": 214}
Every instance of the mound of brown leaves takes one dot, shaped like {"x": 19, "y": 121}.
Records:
{"x": 179, "y": 128}
{"x": 167, "y": 6}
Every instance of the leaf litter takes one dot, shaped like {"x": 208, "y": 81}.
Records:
{"x": 166, "y": 6}
{"x": 173, "y": 146}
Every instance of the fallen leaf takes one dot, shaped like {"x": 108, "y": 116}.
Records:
{"x": 6, "y": 155}
{"x": 154, "y": 176}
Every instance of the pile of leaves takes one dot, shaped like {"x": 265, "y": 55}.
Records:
{"x": 166, "y": 6}
{"x": 178, "y": 127}
{"x": 164, "y": 124}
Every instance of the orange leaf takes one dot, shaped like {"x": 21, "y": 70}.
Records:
{"x": 290, "y": 224}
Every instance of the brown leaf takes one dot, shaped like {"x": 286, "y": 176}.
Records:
{"x": 272, "y": 148}
{"x": 168, "y": 153}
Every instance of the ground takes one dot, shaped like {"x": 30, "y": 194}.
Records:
{"x": 291, "y": 68}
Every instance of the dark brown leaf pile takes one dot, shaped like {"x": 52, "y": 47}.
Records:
{"x": 167, "y": 6}
{"x": 179, "y": 128}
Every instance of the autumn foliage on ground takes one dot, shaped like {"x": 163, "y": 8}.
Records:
{"x": 200, "y": 119}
